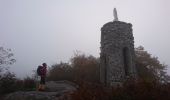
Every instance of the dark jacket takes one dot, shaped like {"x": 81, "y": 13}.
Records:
{"x": 43, "y": 71}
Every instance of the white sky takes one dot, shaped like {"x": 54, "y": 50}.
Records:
{"x": 51, "y": 30}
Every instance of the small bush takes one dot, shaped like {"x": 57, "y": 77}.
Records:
{"x": 26, "y": 84}
{"x": 7, "y": 83}
{"x": 91, "y": 91}
{"x": 80, "y": 67}
{"x": 29, "y": 84}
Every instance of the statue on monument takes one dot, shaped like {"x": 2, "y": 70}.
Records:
{"x": 115, "y": 15}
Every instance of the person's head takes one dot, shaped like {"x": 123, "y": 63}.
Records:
{"x": 44, "y": 64}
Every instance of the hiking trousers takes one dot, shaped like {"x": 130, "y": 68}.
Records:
{"x": 42, "y": 81}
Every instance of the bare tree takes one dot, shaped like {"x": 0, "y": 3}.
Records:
{"x": 6, "y": 58}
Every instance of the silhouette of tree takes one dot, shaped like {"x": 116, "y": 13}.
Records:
{"x": 6, "y": 58}
{"x": 149, "y": 67}
{"x": 7, "y": 79}
{"x": 61, "y": 71}
{"x": 85, "y": 67}
{"x": 82, "y": 67}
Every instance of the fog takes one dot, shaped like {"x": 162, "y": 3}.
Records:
{"x": 51, "y": 31}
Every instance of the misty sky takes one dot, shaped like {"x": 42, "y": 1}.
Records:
{"x": 51, "y": 31}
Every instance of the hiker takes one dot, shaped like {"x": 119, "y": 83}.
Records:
{"x": 41, "y": 71}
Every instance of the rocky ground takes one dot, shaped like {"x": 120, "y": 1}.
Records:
{"x": 55, "y": 90}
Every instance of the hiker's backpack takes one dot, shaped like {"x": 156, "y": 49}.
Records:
{"x": 39, "y": 70}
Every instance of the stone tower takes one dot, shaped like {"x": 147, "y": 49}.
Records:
{"x": 117, "y": 57}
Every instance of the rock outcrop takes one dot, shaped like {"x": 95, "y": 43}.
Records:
{"x": 55, "y": 90}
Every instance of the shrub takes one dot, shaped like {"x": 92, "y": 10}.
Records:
{"x": 7, "y": 83}
{"x": 26, "y": 84}
{"x": 62, "y": 71}
{"x": 29, "y": 84}
{"x": 91, "y": 91}
{"x": 81, "y": 67}
{"x": 130, "y": 90}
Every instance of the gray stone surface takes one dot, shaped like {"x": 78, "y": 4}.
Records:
{"x": 64, "y": 86}
{"x": 55, "y": 91}
{"x": 117, "y": 53}
{"x": 115, "y": 14}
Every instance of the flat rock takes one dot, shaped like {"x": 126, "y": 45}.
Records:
{"x": 55, "y": 90}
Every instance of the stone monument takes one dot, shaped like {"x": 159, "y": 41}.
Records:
{"x": 117, "y": 57}
{"x": 115, "y": 14}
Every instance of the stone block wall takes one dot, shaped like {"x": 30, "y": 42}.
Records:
{"x": 117, "y": 52}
